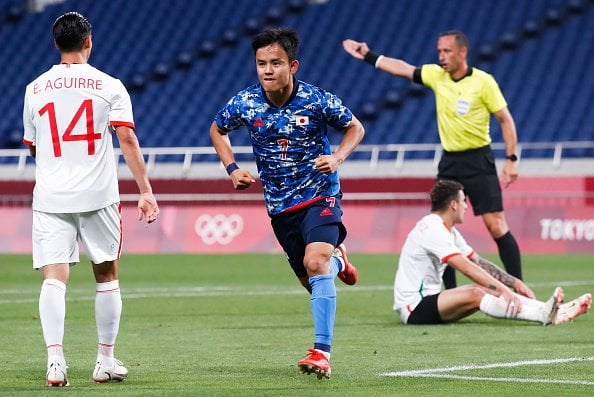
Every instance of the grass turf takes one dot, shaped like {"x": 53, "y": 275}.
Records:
{"x": 236, "y": 325}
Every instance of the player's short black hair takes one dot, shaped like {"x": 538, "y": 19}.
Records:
{"x": 286, "y": 37}
{"x": 459, "y": 36}
{"x": 443, "y": 192}
{"x": 71, "y": 30}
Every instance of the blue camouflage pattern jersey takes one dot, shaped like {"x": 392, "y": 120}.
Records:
{"x": 287, "y": 140}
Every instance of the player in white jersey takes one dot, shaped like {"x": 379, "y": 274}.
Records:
{"x": 435, "y": 243}
{"x": 69, "y": 116}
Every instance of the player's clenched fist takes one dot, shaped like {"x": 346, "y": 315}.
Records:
{"x": 327, "y": 164}
{"x": 355, "y": 48}
{"x": 242, "y": 179}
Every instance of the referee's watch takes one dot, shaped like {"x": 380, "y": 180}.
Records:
{"x": 512, "y": 157}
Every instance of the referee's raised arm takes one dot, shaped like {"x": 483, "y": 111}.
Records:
{"x": 393, "y": 66}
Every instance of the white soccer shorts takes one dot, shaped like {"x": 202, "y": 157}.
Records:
{"x": 56, "y": 236}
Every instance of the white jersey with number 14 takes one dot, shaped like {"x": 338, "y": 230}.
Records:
{"x": 68, "y": 114}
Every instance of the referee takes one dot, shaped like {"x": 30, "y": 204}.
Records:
{"x": 465, "y": 97}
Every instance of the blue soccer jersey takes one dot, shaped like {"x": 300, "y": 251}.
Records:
{"x": 287, "y": 140}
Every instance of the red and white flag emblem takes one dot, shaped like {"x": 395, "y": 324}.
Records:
{"x": 301, "y": 120}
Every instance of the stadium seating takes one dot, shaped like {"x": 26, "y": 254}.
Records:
{"x": 183, "y": 59}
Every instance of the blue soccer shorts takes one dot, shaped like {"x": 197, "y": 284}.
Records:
{"x": 318, "y": 222}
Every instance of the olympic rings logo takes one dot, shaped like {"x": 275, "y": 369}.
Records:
{"x": 219, "y": 228}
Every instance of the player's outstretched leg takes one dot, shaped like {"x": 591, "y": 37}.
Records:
{"x": 104, "y": 373}
{"x": 349, "y": 273}
{"x": 315, "y": 362}
{"x": 570, "y": 310}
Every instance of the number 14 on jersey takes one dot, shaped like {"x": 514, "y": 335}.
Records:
{"x": 86, "y": 110}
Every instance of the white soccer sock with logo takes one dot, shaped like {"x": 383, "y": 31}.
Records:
{"x": 52, "y": 310}
{"x": 497, "y": 307}
{"x": 108, "y": 310}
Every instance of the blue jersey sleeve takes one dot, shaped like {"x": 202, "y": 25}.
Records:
{"x": 337, "y": 115}
{"x": 229, "y": 117}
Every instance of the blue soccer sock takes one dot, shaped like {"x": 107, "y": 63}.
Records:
{"x": 323, "y": 309}
{"x": 335, "y": 266}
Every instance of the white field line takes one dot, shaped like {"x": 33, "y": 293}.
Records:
{"x": 444, "y": 373}
{"x": 79, "y": 294}
{"x": 16, "y": 296}
{"x": 14, "y": 291}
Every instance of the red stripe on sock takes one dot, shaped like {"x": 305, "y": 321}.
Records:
{"x": 107, "y": 290}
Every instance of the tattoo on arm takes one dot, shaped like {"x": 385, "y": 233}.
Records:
{"x": 496, "y": 272}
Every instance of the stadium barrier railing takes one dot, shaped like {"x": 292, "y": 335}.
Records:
{"x": 186, "y": 175}
{"x": 14, "y": 162}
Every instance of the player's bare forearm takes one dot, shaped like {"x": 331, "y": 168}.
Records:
{"x": 221, "y": 144}
{"x": 353, "y": 135}
{"x": 480, "y": 276}
{"x": 133, "y": 156}
{"x": 147, "y": 204}
{"x": 498, "y": 274}
{"x": 137, "y": 167}
{"x": 242, "y": 179}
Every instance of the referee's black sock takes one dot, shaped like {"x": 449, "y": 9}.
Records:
{"x": 509, "y": 252}
{"x": 449, "y": 278}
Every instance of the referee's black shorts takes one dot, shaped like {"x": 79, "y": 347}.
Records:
{"x": 475, "y": 170}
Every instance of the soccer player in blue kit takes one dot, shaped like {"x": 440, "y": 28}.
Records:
{"x": 287, "y": 121}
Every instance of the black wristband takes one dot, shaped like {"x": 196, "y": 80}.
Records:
{"x": 371, "y": 58}
{"x": 231, "y": 167}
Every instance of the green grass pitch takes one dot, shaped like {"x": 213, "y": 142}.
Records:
{"x": 199, "y": 325}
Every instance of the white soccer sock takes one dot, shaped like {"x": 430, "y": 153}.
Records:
{"x": 533, "y": 311}
{"x": 108, "y": 309}
{"x": 52, "y": 310}
{"x": 497, "y": 307}
{"x": 529, "y": 301}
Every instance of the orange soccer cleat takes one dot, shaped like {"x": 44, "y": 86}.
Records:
{"x": 315, "y": 362}
{"x": 349, "y": 273}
